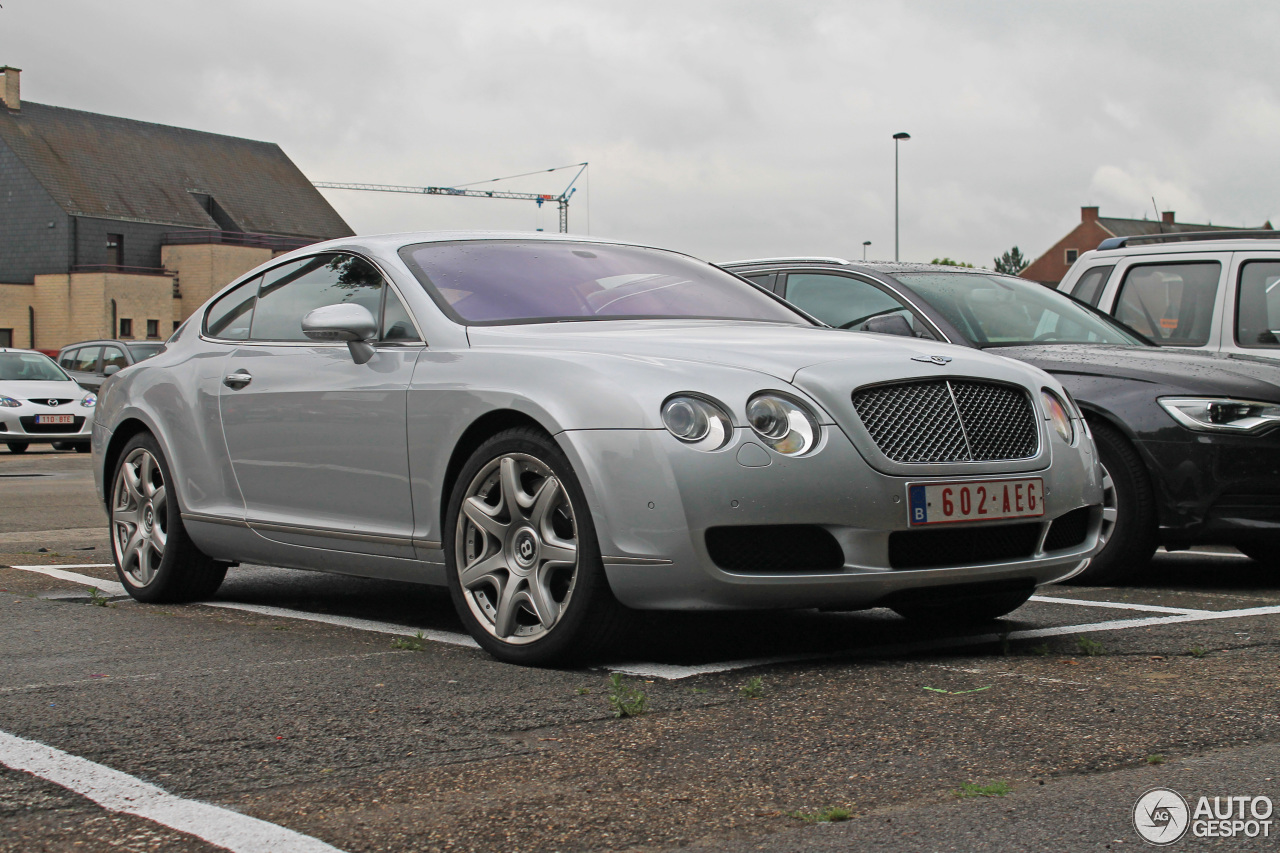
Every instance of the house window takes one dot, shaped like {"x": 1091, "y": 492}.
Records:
{"x": 115, "y": 249}
{"x": 126, "y": 327}
{"x": 1072, "y": 254}
{"x": 6, "y": 337}
{"x": 153, "y": 328}
{"x": 176, "y": 324}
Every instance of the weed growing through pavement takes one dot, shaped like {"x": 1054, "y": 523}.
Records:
{"x": 1089, "y": 647}
{"x": 1155, "y": 759}
{"x": 972, "y": 789}
{"x": 754, "y": 688}
{"x": 1042, "y": 650}
{"x": 831, "y": 814}
{"x": 1197, "y": 651}
{"x": 415, "y": 643}
{"x": 97, "y": 599}
{"x": 625, "y": 700}
{"x": 583, "y": 691}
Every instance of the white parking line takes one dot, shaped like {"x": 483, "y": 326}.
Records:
{"x": 674, "y": 672}
{"x": 59, "y": 572}
{"x": 1115, "y": 605}
{"x": 120, "y": 792}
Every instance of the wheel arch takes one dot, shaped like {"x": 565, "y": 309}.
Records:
{"x": 477, "y": 433}
{"x": 122, "y": 435}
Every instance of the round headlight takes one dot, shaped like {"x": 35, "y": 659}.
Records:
{"x": 89, "y": 401}
{"x": 782, "y": 423}
{"x": 697, "y": 422}
{"x": 1058, "y": 415}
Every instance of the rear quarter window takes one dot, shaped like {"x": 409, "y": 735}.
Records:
{"x": 1258, "y": 305}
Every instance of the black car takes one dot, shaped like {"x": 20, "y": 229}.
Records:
{"x": 1188, "y": 441}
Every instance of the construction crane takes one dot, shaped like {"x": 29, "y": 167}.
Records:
{"x": 464, "y": 190}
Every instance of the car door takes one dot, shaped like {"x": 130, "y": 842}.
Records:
{"x": 1174, "y": 299}
{"x": 83, "y": 367}
{"x": 1252, "y": 321}
{"x": 848, "y": 302}
{"x": 317, "y": 442}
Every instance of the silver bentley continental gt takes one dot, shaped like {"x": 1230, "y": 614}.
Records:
{"x": 564, "y": 429}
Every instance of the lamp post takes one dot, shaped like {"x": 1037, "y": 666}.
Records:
{"x": 865, "y": 244}
{"x": 897, "y": 137}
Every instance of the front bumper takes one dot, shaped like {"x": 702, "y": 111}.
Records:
{"x": 653, "y": 500}
{"x": 20, "y": 424}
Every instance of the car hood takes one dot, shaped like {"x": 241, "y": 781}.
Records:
{"x": 1199, "y": 373}
{"x": 36, "y": 390}
{"x": 778, "y": 350}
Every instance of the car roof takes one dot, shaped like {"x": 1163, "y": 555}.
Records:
{"x": 1192, "y": 241}
{"x": 885, "y": 267}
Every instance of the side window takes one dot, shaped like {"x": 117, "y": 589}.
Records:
{"x": 86, "y": 359}
{"x": 1089, "y": 287}
{"x": 230, "y": 316}
{"x": 113, "y": 355}
{"x": 1170, "y": 303}
{"x": 68, "y": 359}
{"x": 396, "y": 323}
{"x": 848, "y": 303}
{"x": 765, "y": 280}
{"x": 1258, "y": 305}
{"x": 290, "y": 292}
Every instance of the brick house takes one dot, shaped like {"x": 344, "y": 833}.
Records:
{"x": 116, "y": 228}
{"x": 1049, "y": 268}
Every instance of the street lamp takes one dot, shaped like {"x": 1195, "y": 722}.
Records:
{"x": 865, "y": 244}
{"x": 897, "y": 137}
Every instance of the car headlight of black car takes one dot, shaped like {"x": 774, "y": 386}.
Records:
{"x": 1221, "y": 414}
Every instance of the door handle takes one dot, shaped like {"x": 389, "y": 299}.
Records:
{"x": 237, "y": 380}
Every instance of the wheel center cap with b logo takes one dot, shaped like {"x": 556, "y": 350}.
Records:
{"x": 525, "y": 546}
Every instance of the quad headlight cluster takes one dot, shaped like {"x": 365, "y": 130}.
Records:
{"x": 1220, "y": 414}
{"x": 783, "y": 423}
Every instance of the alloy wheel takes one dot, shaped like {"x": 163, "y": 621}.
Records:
{"x": 517, "y": 548}
{"x": 1110, "y": 508}
{"x": 139, "y": 517}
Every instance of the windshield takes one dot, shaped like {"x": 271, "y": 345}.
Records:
{"x": 494, "y": 282}
{"x": 998, "y": 310}
{"x": 29, "y": 366}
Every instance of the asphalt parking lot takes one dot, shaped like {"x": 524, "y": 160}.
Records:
{"x": 302, "y": 711}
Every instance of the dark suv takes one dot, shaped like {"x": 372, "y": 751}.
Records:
{"x": 91, "y": 362}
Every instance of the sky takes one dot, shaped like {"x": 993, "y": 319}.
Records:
{"x": 727, "y": 130}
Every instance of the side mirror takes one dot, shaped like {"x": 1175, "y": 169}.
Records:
{"x": 890, "y": 324}
{"x": 111, "y": 370}
{"x": 343, "y": 322}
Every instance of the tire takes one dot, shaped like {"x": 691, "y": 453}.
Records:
{"x": 518, "y": 602}
{"x": 18, "y": 446}
{"x": 963, "y": 608}
{"x": 62, "y": 445}
{"x": 83, "y": 447}
{"x": 1128, "y": 511}
{"x": 155, "y": 559}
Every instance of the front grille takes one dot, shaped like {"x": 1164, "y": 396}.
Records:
{"x": 1068, "y": 531}
{"x": 49, "y": 401}
{"x": 774, "y": 549}
{"x": 29, "y": 424}
{"x": 949, "y": 420}
{"x": 931, "y": 549}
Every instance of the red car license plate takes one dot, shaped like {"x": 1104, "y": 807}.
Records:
{"x": 55, "y": 419}
{"x": 974, "y": 500}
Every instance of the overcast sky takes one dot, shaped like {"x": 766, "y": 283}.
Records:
{"x": 723, "y": 129}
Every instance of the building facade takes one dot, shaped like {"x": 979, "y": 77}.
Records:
{"x": 116, "y": 228}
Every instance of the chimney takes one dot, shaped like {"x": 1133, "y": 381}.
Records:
{"x": 1167, "y": 217}
{"x": 9, "y": 88}
{"x": 1088, "y": 214}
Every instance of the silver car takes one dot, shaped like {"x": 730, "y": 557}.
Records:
{"x": 563, "y": 429}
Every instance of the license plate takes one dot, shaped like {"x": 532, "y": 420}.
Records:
{"x": 974, "y": 500}
{"x": 55, "y": 419}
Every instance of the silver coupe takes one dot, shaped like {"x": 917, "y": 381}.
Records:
{"x": 564, "y": 429}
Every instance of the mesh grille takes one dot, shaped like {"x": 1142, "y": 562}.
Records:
{"x": 774, "y": 549}
{"x": 920, "y": 421}
{"x": 1068, "y": 531}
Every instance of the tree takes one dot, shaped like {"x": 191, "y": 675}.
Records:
{"x": 947, "y": 262}
{"x": 1012, "y": 262}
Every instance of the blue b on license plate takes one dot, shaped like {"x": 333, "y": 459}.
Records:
{"x": 974, "y": 500}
